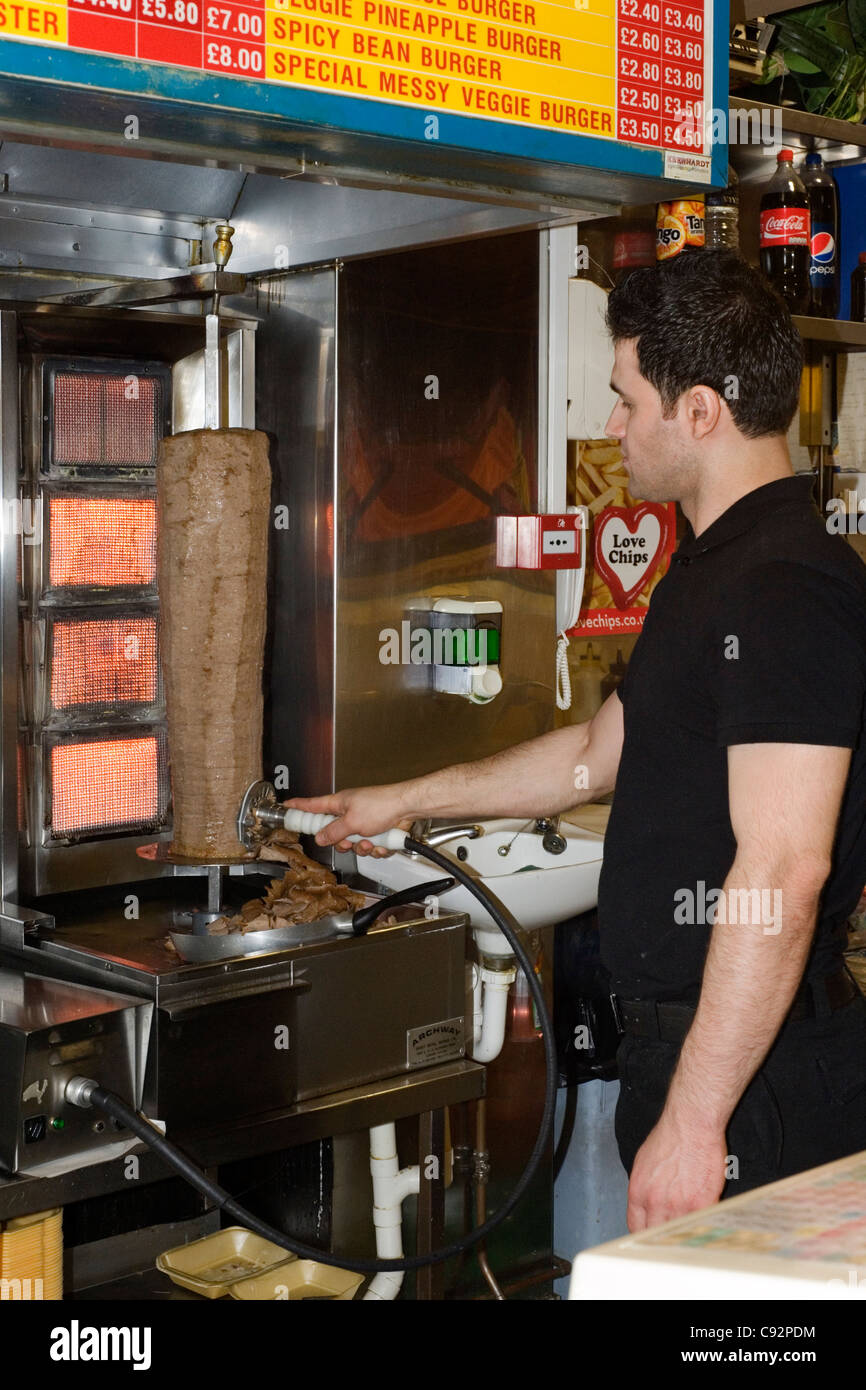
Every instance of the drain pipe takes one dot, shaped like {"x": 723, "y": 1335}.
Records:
{"x": 491, "y": 1014}
{"x": 391, "y": 1186}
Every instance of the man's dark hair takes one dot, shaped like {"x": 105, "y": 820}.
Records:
{"x": 707, "y": 318}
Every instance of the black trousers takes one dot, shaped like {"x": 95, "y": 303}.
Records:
{"x": 805, "y": 1106}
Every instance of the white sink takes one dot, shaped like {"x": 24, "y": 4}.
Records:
{"x": 538, "y": 888}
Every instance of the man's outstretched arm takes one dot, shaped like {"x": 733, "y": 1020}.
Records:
{"x": 544, "y": 776}
{"x": 784, "y": 805}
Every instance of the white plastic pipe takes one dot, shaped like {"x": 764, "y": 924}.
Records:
{"x": 494, "y": 1013}
{"x": 391, "y": 1186}
{"x": 477, "y": 1003}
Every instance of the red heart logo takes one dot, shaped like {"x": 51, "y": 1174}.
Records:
{"x": 627, "y": 545}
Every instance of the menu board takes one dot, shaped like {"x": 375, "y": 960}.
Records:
{"x": 627, "y": 71}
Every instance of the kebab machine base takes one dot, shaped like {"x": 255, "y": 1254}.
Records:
{"x": 208, "y": 1043}
{"x": 239, "y": 1036}
{"x": 49, "y": 1031}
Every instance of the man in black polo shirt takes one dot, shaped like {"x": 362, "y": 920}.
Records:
{"x": 736, "y": 847}
{"x": 743, "y": 702}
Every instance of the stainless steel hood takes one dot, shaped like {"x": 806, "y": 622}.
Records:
{"x": 77, "y": 219}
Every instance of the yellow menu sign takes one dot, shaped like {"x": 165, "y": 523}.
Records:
{"x": 541, "y": 64}
{"x": 626, "y": 70}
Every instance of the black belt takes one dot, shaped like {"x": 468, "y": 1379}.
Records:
{"x": 669, "y": 1021}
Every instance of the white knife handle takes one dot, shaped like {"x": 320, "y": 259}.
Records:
{"x": 309, "y": 823}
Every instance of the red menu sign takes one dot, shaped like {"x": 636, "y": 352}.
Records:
{"x": 661, "y": 74}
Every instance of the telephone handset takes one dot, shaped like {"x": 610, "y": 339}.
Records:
{"x": 569, "y": 597}
{"x": 569, "y": 583}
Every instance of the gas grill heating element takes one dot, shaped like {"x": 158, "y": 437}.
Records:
{"x": 110, "y": 784}
{"x": 102, "y": 542}
{"x": 103, "y": 420}
{"x": 104, "y": 661}
{"x": 98, "y": 758}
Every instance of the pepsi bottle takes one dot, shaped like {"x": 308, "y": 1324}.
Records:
{"x": 784, "y": 236}
{"x": 824, "y": 234}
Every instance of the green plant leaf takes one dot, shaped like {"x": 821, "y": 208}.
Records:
{"x": 839, "y": 29}
{"x": 796, "y": 63}
{"x": 811, "y": 17}
{"x": 846, "y": 101}
{"x": 816, "y": 96}
{"x": 857, "y": 21}
{"x": 816, "y": 47}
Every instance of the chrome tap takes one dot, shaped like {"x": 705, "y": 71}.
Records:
{"x": 422, "y": 832}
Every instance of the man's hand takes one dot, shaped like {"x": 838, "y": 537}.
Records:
{"x": 360, "y": 811}
{"x": 678, "y": 1169}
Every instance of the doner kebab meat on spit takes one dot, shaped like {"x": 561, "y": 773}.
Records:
{"x": 214, "y": 497}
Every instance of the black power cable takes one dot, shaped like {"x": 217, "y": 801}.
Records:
{"x": 117, "y": 1109}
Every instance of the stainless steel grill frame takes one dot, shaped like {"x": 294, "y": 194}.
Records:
{"x": 33, "y": 346}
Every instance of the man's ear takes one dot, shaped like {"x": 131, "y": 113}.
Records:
{"x": 703, "y": 408}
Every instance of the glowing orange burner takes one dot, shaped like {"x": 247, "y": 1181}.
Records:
{"x": 104, "y": 662}
{"x": 102, "y": 541}
{"x": 102, "y": 785}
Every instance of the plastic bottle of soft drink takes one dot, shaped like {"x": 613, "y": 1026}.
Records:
{"x": 824, "y": 233}
{"x": 722, "y": 225}
{"x": 785, "y": 252}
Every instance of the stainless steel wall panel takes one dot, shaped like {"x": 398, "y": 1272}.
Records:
{"x": 406, "y": 505}
{"x": 438, "y": 425}
{"x": 558, "y": 256}
{"x": 296, "y": 401}
{"x": 9, "y": 553}
{"x": 76, "y": 244}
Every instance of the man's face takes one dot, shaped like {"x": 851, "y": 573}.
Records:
{"x": 655, "y": 452}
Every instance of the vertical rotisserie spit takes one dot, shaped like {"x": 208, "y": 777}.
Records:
{"x": 214, "y": 492}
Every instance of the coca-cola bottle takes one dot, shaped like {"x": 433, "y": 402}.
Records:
{"x": 785, "y": 253}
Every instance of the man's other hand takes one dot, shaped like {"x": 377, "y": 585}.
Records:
{"x": 678, "y": 1169}
{"x": 359, "y": 811}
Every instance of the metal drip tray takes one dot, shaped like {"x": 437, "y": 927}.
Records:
{"x": 102, "y": 942}
{"x": 134, "y": 958}
{"x": 199, "y": 947}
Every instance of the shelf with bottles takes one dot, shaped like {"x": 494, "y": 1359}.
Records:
{"x": 787, "y": 168}
{"x": 800, "y": 129}
{"x": 837, "y": 335}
